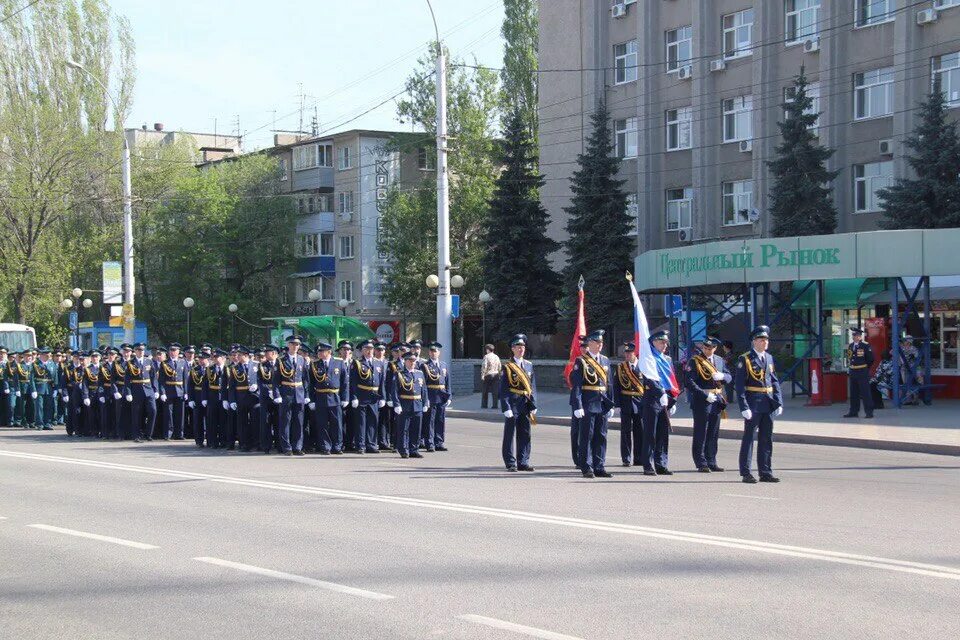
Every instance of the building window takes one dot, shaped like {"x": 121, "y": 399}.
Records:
{"x": 344, "y": 161}
{"x": 323, "y": 284}
{"x": 284, "y": 297}
{"x": 813, "y": 92}
{"x": 873, "y": 93}
{"x": 326, "y": 244}
{"x": 679, "y": 128}
{"x": 308, "y": 245}
{"x": 311, "y": 205}
{"x": 282, "y": 166}
{"x": 737, "y": 34}
{"x": 301, "y": 206}
{"x": 304, "y": 157}
{"x": 633, "y": 210}
{"x": 803, "y": 17}
{"x": 679, "y": 48}
{"x": 737, "y": 202}
{"x": 625, "y": 62}
{"x": 874, "y": 11}
{"x": 945, "y": 4}
{"x": 345, "y": 201}
{"x": 325, "y": 203}
{"x": 346, "y": 290}
{"x": 325, "y": 155}
{"x": 679, "y": 208}
{"x": 868, "y": 179}
{"x": 738, "y": 118}
{"x": 346, "y": 247}
{"x": 426, "y": 159}
{"x": 944, "y": 332}
{"x": 626, "y": 142}
{"x": 946, "y": 70}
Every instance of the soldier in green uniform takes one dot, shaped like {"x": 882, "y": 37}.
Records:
{"x": 44, "y": 382}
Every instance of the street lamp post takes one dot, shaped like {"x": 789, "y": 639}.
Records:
{"x": 343, "y": 304}
{"x": 130, "y": 316}
{"x": 66, "y": 304}
{"x": 314, "y": 297}
{"x": 188, "y": 305}
{"x": 484, "y": 298}
{"x": 233, "y": 308}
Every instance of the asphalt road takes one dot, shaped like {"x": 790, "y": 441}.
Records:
{"x": 105, "y": 540}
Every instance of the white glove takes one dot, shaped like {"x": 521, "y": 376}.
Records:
{"x": 253, "y": 388}
{"x": 747, "y": 414}
{"x": 116, "y": 395}
{"x": 398, "y": 409}
{"x": 6, "y": 391}
{"x": 508, "y": 413}
{"x": 718, "y": 375}
{"x": 33, "y": 394}
{"x": 448, "y": 403}
{"x": 129, "y": 398}
{"x": 233, "y": 406}
{"x": 389, "y": 403}
{"x": 86, "y": 402}
{"x": 534, "y": 413}
{"x": 102, "y": 400}
{"x": 578, "y": 413}
{"x": 192, "y": 404}
{"x": 312, "y": 405}
{"x": 277, "y": 400}
{"x": 609, "y": 414}
{"x": 18, "y": 393}
{"x": 711, "y": 397}
{"x": 344, "y": 404}
{"x": 66, "y": 396}
{"x": 203, "y": 402}
{"x": 673, "y": 410}
{"x": 354, "y": 403}
{"x": 426, "y": 405}
{"x": 381, "y": 404}
{"x": 226, "y": 405}
{"x": 777, "y": 413}
{"x": 727, "y": 378}
{"x": 163, "y": 397}
{"x": 664, "y": 400}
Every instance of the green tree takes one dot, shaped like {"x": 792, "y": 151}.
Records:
{"x": 516, "y": 265}
{"x": 931, "y": 199}
{"x": 598, "y": 247}
{"x": 60, "y": 162}
{"x": 800, "y": 194}
{"x": 222, "y": 236}
{"x": 518, "y": 78}
{"x": 410, "y": 212}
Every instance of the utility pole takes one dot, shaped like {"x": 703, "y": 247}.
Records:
{"x": 444, "y": 301}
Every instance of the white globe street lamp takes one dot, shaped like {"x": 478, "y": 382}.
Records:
{"x": 77, "y": 292}
{"x": 433, "y": 281}
{"x": 456, "y": 281}
{"x": 66, "y": 303}
{"x": 87, "y": 303}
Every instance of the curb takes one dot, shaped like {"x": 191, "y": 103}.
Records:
{"x": 736, "y": 434}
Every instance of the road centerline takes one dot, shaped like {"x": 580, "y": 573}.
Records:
{"x": 521, "y": 629}
{"x": 94, "y": 536}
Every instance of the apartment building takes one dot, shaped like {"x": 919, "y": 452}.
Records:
{"x": 696, "y": 88}
{"x": 206, "y": 147}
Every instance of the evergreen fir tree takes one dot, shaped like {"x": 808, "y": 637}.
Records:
{"x": 517, "y": 272}
{"x": 598, "y": 246}
{"x": 932, "y": 199}
{"x": 800, "y": 196}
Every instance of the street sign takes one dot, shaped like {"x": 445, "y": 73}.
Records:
{"x": 455, "y": 303}
{"x": 112, "y": 282}
{"x": 73, "y": 320}
{"x": 672, "y": 305}
{"x": 128, "y": 319}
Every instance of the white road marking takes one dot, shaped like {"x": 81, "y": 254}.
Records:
{"x": 94, "y": 536}
{"x": 792, "y": 471}
{"x": 533, "y": 632}
{"x": 743, "y": 495}
{"x": 280, "y": 575}
{"x": 838, "y": 557}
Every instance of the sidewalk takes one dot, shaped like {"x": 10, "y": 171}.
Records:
{"x": 923, "y": 429}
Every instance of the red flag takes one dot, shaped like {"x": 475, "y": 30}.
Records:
{"x": 580, "y": 330}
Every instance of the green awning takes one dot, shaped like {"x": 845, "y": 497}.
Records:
{"x": 844, "y": 293}
{"x": 330, "y": 329}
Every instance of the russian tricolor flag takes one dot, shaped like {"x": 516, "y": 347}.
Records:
{"x": 653, "y": 364}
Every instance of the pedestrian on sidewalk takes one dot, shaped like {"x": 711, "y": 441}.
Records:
{"x": 489, "y": 377}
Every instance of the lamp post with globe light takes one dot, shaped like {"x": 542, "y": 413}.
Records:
{"x": 233, "y": 308}
{"x": 188, "y": 304}
{"x": 484, "y": 298}
{"x": 314, "y": 296}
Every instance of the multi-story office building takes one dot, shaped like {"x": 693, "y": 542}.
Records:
{"x": 696, "y": 88}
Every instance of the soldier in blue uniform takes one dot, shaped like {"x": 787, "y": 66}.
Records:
{"x": 141, "y": 387}
{"x": 574, "y": 420}
{"x": 269, "y": 399}
{"x": 195, "y": 378}
{"x": 59, "y": 406}
{"x": 94, "y": 410}
{"x": 859, "y": 360}
{"x": 410, "y": 399}
{"x": 23, "y": 385}
{"x": 707, "y": 377}
{"x": 214, "y": 393}
{"x": 366, "y": 397}
{"x": 437, "y": 375}
{"x": 345, "y": 351}
{"x": 658, "y": 406}
{"x": 6, "y": 408}
{"x": 121, "y": 408}
{"x": 384, "y": 413}
{"x": 628, "y": 396}
{"x": 593, "y": 405}
{"x": 69, "y": 395}
{"x": 758, "y": 393}
{"x": 105, "y": 391}
{"x": 292, "y": 378}
{"x": 44, "y": 382}
{"x": 518, "y": 402}
{"x": 172, "y": 381}
{"x": 329, "y": 392}
{"x": 245, "y": 399}
{"x": 394, "y": 364}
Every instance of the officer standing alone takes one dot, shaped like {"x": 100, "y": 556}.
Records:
{"x": 859, "y": 359}
{"x": 760, "y": 399}
{"x": 706, "y": 377}
{"x": 518, "y": 401}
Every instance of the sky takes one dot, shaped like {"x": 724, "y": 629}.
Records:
{"x": 200, "y": 65}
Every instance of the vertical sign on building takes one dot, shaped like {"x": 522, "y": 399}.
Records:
{"x": 112, "y": 283}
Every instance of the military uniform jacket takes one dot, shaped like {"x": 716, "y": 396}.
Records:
{"x": 590, "y": 381}
{"x": 437, "y": 375}
{"x": 242, "y": 377}
{"x": 410, "y": 391}
{"x": 5, "y": 375}
{"x": 366, "y": 381}
{"x": 292, "y": 378}
{"x": 518, "y": 387}
{"x": 393, "y": 369}
{"x": 141, "y": 379}
{"x": 195, "y": 376}
{"x": 92, "y": 380}
{"x": 119, "y": 373}
{"x": 267, "y": 381}
{"x": 215, "y": 384}
{"x": 172, "y": 378}
{"x": 44, "y": 377}
{"x": 859, "y": 358}
{"x": 700, "y": 382}
{"x": 76, "y": 382}
{"x": 627, "y": 386}
{"x": 106, "y": 381}
{"x": 653, "y": 390}
{"x": 328, "y": 382}
{"x": 758, "y": 388}
{"x": 23, "y": 374}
